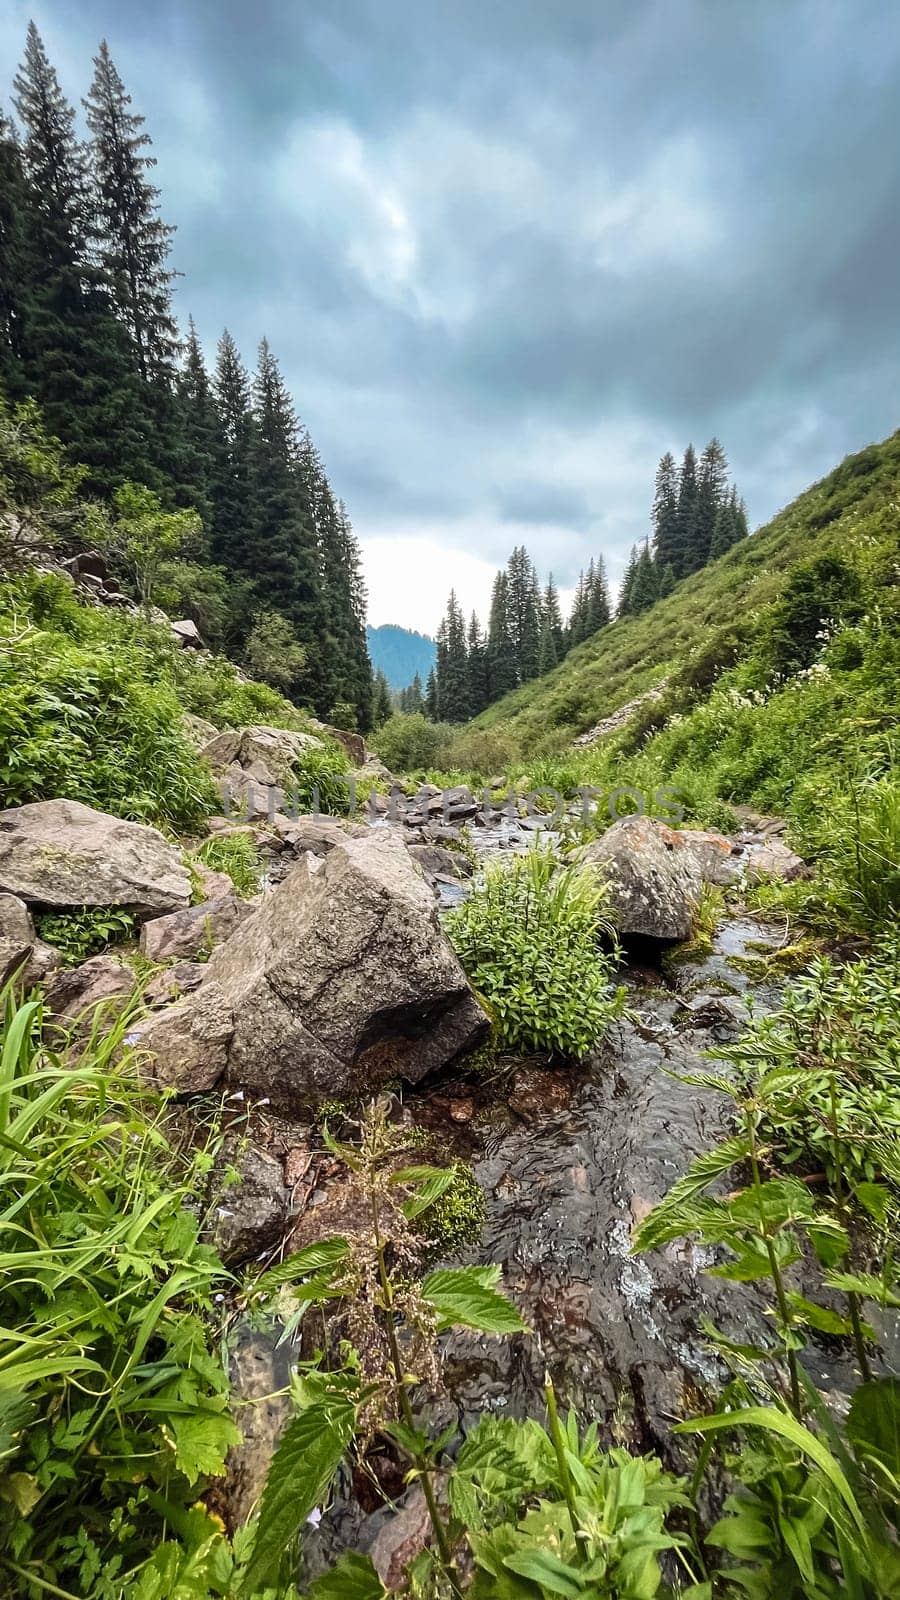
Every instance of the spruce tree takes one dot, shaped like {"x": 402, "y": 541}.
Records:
{"x": 625, "y": 607}
{"x": 666, "y": 547}
{"x": 547, "y": 654}
{"x": 712, "y": 485}
{"x": 415, "y": 700}
{"x": 551, "y": 620}
{"x": 232, "y": 488}
{"x": 600, "y": 610}
{"x": 645, "y": 584}
{"x": 13, "y": 260}
{"x": 282, "y": 553}
{"x": 502, "y": 666}
{"x": 432, "y": 704}
{"x": 77, "y": 358}
{"x": 687, "y": 515}
{"x": 133, "y": 239}
{"x": 523, "y": 610}
{"x": 476, "y": 652}
{"x": 383, "y": 705}
{"x": 666, "y": 580}
{"x": 453, "y": 668}
{"x": 577, "y": 617}
{"x": 200, "y": 460}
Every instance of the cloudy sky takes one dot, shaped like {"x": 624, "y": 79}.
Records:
{"x": 510, "y": 251}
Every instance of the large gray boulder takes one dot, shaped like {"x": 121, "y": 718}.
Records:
{"x": 195, "y": 931}
{"x": 653, "y": 878}
{"x": 266, "y": 754}
{"x": 341, "y": 980}
{"x": 63, "y": 853}
{"x": 17, "y": 936}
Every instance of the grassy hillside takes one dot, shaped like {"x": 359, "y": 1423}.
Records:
{"x": 710, "y": 618}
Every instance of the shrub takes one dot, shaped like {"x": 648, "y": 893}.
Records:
{"x": 320, "y": 782}
{"x": 114, "y": 1388}
{"x": 84, "y": 931}
{"x": 213, "y": 689}
{"x": 818, "y": 594}
{"x": 408, "y": 741}
{"x": 835, "y": 1043}
{"x": 482, "y": 751}
{"x": 860, "y": 863}
{"x": 236, "y": 854}
{"x": 93, "y": 721}
{"x": 274, "y": 652}
{"x": 528, "y": 938}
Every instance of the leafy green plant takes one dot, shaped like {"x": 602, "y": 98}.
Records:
{"x": 82, "y": 932}
{"x": 391, "y": 1317}
{"x": 114, "y": 1396}
{"x": 320, "y": 781}
{"x": 87, "y": 713}
{"x": 809, "y": 1520}
{"x": 235, "y": 854}
{"x": 826, "y": 1068}
{"x": 456, "y": 1217}
{"x": 529, "y": 939}
{"x": 550, "y": 1513}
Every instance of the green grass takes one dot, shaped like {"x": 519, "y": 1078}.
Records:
{"x": 710, "y": 617}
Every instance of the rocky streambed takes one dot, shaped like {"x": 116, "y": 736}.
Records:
{"x": 336, "y": 980}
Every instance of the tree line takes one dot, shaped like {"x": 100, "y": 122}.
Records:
{"x": 524, "y": 638}
{"x": 87, "y": 329}
{"x": 696, "y": 517}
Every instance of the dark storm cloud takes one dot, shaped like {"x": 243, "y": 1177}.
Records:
{"x": 510, "y": 252}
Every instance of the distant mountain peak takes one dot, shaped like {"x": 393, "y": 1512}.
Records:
{"x": 400, "y": 653}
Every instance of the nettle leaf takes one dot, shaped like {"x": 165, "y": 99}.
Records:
{"x": 431, "y": 1188}
{"x": 299, "y": 1477}
{"x": 328, "y": 1253}
{"x": 354, "y": 1578}
{"x": 465, "y": 1297}
{"x": 655, "y": 1228}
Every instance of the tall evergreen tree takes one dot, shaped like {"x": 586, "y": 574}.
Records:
{"x": 232, "y": 485}
{"x": 77, "y": 358}
{"x": 282, "y": 554}
{"x": 688, "y": 508}
{"x": 201, "y": 461}
{"x": 645, "y": 584}
{"x": 503, "y": 672}
{"x": 524, "y": 612}
{"x": 600, "y": 606}
{"x": 476, "y": 653}
{"x": 383, "y": 704}
{"x": 625, "y": 607}
{"x": 452, "y": 664}
{"x": 666, "y": 529}
{"x": 712, "y": 495}
{"x": 551, "y": 620}
{"x": 577, "y": 630}
{"x": 13, "y": 259}
{"x": 133, "y": 239}
{"x": 432, "y": 703}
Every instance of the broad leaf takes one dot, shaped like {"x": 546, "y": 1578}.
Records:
{"x": 354, "y": 1578}
{"x": 328, "y": 1253}
{"x": 465, "y": 1297}
{"x": 543, "y": 1567}
{"x": 299, "y": 1478}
